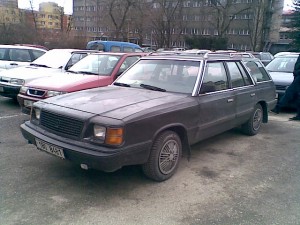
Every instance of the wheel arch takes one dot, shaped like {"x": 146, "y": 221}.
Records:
{"x": 265, "y": 111}
{"x": 182, "y": 133}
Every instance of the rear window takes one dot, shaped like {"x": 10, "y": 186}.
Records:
{"x": 257, "y": 71}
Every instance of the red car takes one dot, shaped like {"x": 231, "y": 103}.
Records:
{"x": 95, "y": 70}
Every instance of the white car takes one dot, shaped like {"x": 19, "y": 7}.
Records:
{"x": 12, "y": 56}
{"x": 50, "y": 64}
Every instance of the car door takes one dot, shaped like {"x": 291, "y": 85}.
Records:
{"x": 216, "y": 101}
{"x": 243, "y": 89}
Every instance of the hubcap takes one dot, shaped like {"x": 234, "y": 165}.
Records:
{"x": 168, "y": 157}
{"x": 257, "y": 117}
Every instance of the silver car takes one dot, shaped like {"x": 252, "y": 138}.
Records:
{"x": 281, "y": 70}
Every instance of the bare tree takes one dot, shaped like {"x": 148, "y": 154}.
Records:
{"x": 118, "y": 11}
{"x": 33, "y": 14}
{"x": 166, "y": 21}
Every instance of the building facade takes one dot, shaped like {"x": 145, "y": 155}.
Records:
{"x": 9, "y": 3}
{"x": 246, "y": 24}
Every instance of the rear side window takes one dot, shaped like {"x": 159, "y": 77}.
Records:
{"x": 128, "y": 49}
{"x": 215, "y": 78}
{"x": 237, "y": 78}
{"x": 37, "y": 54}
{"x": 257, "y": 71}
{"x": 75, "y": 58}
{"x": 2, "y": 53}
{"x": 115, "y": 48}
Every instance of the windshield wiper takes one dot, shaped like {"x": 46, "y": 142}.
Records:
{"x": 72, "y": 71}
{"x": 121, "y": 84}
{"x": 150, "y": 87}
{"x": 86, "y": 72}
{"x": 39, "y": 65}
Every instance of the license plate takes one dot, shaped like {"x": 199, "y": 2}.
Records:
{"x": 28, "y": 103}
{"x": 1, "y": 89}
{"x": 52, "y": 149}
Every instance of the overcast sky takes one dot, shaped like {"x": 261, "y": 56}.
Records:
{"x": 68, "y": 7}
{"x": 67, "y": 4}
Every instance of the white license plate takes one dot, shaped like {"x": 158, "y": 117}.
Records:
{"x": 52, "y": 149}
{"x": 28, "y": 103}
{"x": 1, "y": 89}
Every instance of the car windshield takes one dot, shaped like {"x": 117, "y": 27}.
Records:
{"x": 162, "y": 75}
{"x": 54, "y": 59}
{"x": 282, "y": 64}
{"x": 101, "y": 64}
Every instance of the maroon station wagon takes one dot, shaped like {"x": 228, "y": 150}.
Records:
{"x": 95, "y": 70}
{"x": 153, "y": 113}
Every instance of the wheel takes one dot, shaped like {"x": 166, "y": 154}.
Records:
{"x": 252, "y": 126}
{"x": 164, "y": 156}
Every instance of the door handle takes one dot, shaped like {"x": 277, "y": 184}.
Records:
{"x": 14, "y": 64}
{"x": 252, "y": 95}
{"x": 230, "y": 100}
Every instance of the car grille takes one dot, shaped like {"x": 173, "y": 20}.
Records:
{"x": 61, "y": 124}
{"x": 34, "y": 92}
{"x": 281, "y": 87}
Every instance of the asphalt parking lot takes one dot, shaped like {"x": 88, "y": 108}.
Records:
{"x": 230, "y": 179}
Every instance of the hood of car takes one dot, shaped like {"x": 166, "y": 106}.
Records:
{"x": 281, "y": 78}
{"x": 69, "y": 82}
{"x": 117, "y": 102}
{"x": 29, "y": 72}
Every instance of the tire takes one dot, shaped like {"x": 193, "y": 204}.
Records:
{"x": 252, "y": 126}
{"x": 164, "y": 157}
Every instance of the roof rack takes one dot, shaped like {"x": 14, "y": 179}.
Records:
{"x": 227, "y": 55}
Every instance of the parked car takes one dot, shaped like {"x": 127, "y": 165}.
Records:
{"x": 53, "y": 61}
{"x": 265, "y": 57}
{"x": 113, "y": 46}
{"x": 95, "y": 70}
{"x": 151, "y": 114}
{"x": 12, "y": 56}
{"x": 281, "y": 70}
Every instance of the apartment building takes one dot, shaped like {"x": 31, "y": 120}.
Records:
{"x": 247, "y": 24}
{"x": 50, "y": 16}
{"x": 9, "y": 12}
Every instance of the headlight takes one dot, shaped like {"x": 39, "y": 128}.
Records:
{"x": 99, "y": 132}
{"x": 54, "y": 93}
{"x": 110, "y": 136}
{"x": 17, "y": 81}
{"x": 23, "y": 89}
{"x": 35, "y": 114}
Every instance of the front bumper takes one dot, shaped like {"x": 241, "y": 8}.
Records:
{"x": 104, "y": 158}
{"x": 9, "y": 91}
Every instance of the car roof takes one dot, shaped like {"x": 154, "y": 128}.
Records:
{"x": 120, "y": 53}
{"x": 22, "y": 47}
{"x": 286, "y": 53}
